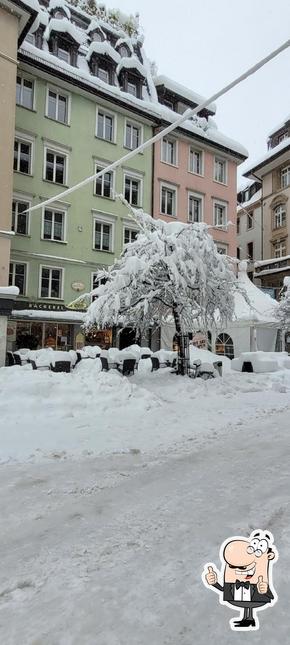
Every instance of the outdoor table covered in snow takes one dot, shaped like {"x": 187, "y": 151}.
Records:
{"x": 259, "y": 362}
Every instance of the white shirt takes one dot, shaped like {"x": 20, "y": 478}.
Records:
{"x": 242, "y": 594}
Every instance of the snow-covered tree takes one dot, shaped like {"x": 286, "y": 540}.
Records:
{"x": 170, "y": 270}
{"x": 283, "y": 310}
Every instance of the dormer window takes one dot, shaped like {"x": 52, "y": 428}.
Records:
{"x": 103, "y": 74}
{"x": 97, "y": 36}
{"x": 64, "y": 48}
{"x": 132, "y": 88}
{"x": 123, "y": 51}
{"x": 59, "y": 14}
{"x": 63, "y": 54}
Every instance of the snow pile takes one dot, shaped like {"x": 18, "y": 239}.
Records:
{"x": 103, "y": 48}
{"x": 60, "y": 4}
{"x": 9, "y": 291}
{"x": 63, "y": 25}
{"x": 48, "y": 415}
{"x": 260, "y": 362}
{"x": 132, "y": 63}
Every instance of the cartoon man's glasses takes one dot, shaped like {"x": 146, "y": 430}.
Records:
{"x": 258, "y": 547}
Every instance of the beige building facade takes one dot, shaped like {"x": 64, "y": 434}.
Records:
{"x": 274, "y": 174}
{"x": 15, "y": 19}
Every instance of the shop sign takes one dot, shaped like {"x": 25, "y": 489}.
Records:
{"x": 45, "y": 306}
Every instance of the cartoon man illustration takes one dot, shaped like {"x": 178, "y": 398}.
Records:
{"x": 247, "y": 576}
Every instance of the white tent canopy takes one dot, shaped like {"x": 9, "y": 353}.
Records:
{"x": 254, "y": 326}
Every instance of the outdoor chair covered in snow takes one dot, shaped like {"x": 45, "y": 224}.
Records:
{"x": 155, "y": 363}
{"x": 206, "y": 371}
{"x": 105, "y": 364}
{"x": 194, "y": 368}
{"x": 17, "y": 359}
{"x": 10, "y": 359}
{"x": 218, "y": 367}
{"x": 61, "y": 366}
{"x": 127, "y": 367}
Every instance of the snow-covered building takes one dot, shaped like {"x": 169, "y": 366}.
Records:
{"x": 195, "y": 168}
{"x": 16, "y": 19}
{"x": 249, "y": 224}
{"x": 86, "y": 93}
{"x": 273, "y": 171}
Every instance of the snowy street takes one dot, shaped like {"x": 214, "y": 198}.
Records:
{"x": 108, "y": 549}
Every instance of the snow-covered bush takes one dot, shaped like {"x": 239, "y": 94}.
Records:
{"x": 171, "y": 269}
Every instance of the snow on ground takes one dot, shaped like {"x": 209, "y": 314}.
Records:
{"x": 88, "y": 412}
{"x": 105, "y": 545}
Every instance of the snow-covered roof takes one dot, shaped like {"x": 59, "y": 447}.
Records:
{"x": 245, "y": 185}
{"x": 205, "y": 130}
{"x": 183, "y": 91}
{"x": 267, "y": 157}
{"x": 60, "y": 4}
{"x": 262, "y": 263}
{"x": 125, "y": 41}
{"x": 104, "y": 48}
{"x": 255, "y": 198}
{"x": 9, "y": 291}
{"x": 260, "y": 306}
{"x": 279, "y": 126}
{"x": 132, "y": 63}
{"x": 73, "y": 316}
{"x": 63, "y": 25}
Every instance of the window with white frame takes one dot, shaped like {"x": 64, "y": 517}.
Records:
{"x": 133, "y": 189}
{"x": 169, "y": 151}
{"x": 18, "y": 276}
{"x": 130, "y": 235}
{"x": 22, "y": 156}
{"x": 285, "y": 177}
{"x": 279, "y": 248}
{"x": 219, "y": 214}
{"x": 20, "y": 219}
{"x": 194, "y": 208}
{"x": 104, "y": 185}
{"x": 51, "y": 279}
{"x": 105, "y": 126}
{"x": 25, "y": 92}
{"x": 103, "y": 74}
{"x": 279, "y": 216}
{"x": 196, "y": 161}
{"x": 96, "y": 281}
{"x": 168, "y": 200}
{"x": 250, "y": 220}
{"x": 103, "y": 235}
{"x": 222, "y": 249}
{"x": 220, "y": 170}
{"x": 55, "y": 169}
{"x": 133, "y": 135}
{"x": 53, "y": 225}
{"x": 57, "y": 105}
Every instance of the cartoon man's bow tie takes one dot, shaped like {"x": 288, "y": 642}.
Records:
{"x": 242, "y": 584}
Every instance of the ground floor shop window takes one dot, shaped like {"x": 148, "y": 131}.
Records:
{"x": 36, "y": 335}
{"x": 100, "y": 337}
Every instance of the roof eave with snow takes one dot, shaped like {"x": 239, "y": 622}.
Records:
{"x": 280, "y": 153}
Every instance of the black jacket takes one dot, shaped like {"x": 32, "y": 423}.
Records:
{"x": 229, "y": 590}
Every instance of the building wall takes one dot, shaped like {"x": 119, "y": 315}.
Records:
{"x": 247, "y": 235}
{"x": 273, "y": 196}
{"x": 76, "y": 255}
{"x": 204, "y": 185}
{"x": 8, "y": 55}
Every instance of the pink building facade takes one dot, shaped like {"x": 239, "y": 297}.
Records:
{"x": 194, "y": 182}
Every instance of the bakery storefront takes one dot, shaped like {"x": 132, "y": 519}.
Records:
{"x": 41, "y": 325}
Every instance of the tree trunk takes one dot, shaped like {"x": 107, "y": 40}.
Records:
{"x": 182, "y": 362}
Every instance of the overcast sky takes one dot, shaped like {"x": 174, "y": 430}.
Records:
{"x": 205, "y": 44}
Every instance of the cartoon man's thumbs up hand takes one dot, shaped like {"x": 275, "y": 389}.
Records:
{"x": 262, "y": 586}
{"x": 211, "y": 576}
